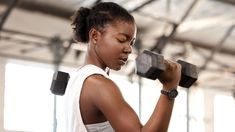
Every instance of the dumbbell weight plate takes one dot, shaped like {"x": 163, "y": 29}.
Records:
{"x": 150, "y": 64}
{"x": 188, "y": 74}
{"x": 59, "y": 82}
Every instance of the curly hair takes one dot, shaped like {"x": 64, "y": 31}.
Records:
{"x": 97, "y": 17}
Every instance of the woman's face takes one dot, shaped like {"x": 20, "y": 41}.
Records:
{"x": 115, "y": 44}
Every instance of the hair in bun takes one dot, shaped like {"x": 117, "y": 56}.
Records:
{"x": 97, "y": 17}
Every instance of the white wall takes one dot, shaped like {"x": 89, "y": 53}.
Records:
{"x": 2, "y": 85}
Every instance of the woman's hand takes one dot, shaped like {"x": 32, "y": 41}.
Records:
{"x": 170, "y": 78}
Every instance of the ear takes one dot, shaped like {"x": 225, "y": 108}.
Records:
{"x": 94, "y": 35}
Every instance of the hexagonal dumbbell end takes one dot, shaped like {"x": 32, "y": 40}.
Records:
{"x": 150, "y": 64}
{"x": 189, "y": 74}
{"x": 59, "y": 82}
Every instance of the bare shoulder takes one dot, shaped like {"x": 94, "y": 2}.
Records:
{"x": 100, "y": 85}
{"x": 103, "y": 94}
{"x": 106, "y": 97}
{"x": 96, "y": 92}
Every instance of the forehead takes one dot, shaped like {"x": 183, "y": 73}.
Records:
{"x": 121, "y": 27}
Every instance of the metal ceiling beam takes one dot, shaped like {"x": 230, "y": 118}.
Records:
{"x": 142, "y": 5}
{"x": 42, "y": 7}
{"x": 34, "y": 59}
{"x": 208, "y": 22}
{"x": 203, "y": 45}
{"x": 23, "y": 42}
{"x": 11, "y": 31}
{"x": 164, "y": 39}
{"x": 218, "y": 47}
{"x": 5, "y": 15}
{"x": 227, "y": 1}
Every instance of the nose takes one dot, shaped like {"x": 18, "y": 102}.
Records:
{"x": 127, "y": 49}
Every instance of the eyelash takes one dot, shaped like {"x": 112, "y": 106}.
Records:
{"x": 123, "y": 41}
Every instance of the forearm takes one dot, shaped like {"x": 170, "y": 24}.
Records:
{"x": 160, "y": 119}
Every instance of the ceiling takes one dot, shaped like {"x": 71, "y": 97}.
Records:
{"x": 199, "y": 31}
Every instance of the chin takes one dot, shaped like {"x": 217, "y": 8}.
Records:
{"x": 117, "y": 68}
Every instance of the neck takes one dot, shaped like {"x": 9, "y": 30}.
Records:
{"x": 93, "y": 58}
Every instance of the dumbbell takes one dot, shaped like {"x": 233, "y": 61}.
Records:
{"x": 59, "y": 82}
{"x": 150, "y": 65}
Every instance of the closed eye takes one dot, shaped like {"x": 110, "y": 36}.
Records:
{"x": 121, "y": 41}
{"x": 126, "y": 41}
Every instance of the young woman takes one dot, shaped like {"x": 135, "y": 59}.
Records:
{"x": 95, "y": 103}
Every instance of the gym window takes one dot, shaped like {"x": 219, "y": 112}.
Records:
{"x": 28, "y": 103}
{"x": 224, "y": 113}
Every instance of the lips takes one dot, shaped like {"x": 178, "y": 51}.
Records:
{"x": 123, "y": 60}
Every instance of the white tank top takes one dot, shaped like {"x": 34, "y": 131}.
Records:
{"x": 72, "y": 95}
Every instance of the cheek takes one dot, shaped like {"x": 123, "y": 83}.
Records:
{"x": 109, "y": 51}
{"x": 111, "y": 46}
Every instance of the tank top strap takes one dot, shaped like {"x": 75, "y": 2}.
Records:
{"x": 89, "y": 69}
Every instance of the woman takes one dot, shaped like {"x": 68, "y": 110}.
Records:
{"x": 94, "y": 100}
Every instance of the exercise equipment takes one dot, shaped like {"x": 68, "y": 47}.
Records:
{"x": 59, "y": 82}
{"x": 150, "y": 65}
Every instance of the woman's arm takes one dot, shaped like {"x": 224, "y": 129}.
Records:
{"x": 108, "y": 99}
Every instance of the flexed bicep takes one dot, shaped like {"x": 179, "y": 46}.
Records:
{"x": 109, "y": 100}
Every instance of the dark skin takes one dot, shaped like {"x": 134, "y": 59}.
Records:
{"x": 101, "y": 99}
